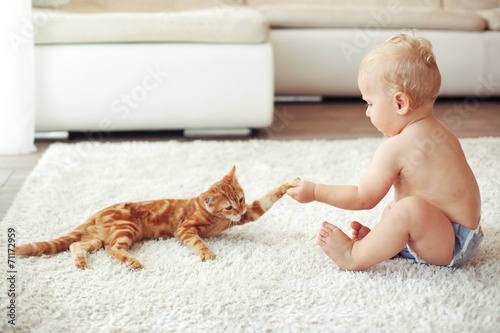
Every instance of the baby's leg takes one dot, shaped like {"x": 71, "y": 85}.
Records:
{"x": 359, "y": 231}
{"x": 410, "y": 221}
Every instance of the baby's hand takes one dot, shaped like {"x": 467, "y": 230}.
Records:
{"x": 302, "y": 190}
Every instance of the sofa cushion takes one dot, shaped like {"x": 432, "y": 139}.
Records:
{"x": 229, "y": 24}
{"x": 49, "y": 3}
{"x": 105, "y": 6}
{"x": 492, "y": 17}
{"x": 350, "y": 3}
{"x": 471, "y": 4}
{"x": 317, "y": 16}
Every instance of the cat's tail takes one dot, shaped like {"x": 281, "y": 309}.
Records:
{"x": 55, "y": 246}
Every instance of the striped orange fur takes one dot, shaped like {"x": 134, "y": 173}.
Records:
{"x": 221, "y": 207}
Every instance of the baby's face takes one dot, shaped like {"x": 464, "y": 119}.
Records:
{"x": 381, "y": 108}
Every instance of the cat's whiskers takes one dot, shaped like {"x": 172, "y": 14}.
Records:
{"x": 232, "y": 223}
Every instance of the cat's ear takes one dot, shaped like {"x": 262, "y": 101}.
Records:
{"x": 231, "y": 174}
{"x": 207, "y": 199}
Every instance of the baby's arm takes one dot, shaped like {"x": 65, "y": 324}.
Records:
{"x": 337, "y": 195}
{"x": 374, "y": 185}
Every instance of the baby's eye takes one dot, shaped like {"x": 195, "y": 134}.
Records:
{"x": 229, "y": 207}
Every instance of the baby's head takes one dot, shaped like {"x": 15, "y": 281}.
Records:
{"x": 404, "y": 64}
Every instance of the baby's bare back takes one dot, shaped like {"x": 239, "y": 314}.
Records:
{"x": 434, "y": 168}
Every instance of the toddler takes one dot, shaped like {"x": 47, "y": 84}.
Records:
{"x": 434, "y": 218}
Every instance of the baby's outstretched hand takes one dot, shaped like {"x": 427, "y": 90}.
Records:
{"x": 302, "y": 190}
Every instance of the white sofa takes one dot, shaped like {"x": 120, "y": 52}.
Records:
{"x": 217, "y": 64}
{"x": 198, "y": 69}
{"x": 319, "y": 44}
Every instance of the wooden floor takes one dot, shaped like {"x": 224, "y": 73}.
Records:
{"x": 331, "y": 119}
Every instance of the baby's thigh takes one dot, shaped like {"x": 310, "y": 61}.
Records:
{"x": 431, "y": 233}
{"x": 388, "y": 208}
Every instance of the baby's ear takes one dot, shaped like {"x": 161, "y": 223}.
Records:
{"x": 402, "y": 102}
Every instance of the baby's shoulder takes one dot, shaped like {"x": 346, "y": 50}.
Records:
{"x": 391, "y": 149}
{"x": 398, "y": 148}
{"x": 395, "y": 144}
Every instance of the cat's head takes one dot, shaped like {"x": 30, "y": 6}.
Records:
{"x": 225, "y": 198}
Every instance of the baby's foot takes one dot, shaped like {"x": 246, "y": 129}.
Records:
{"x": 336, "y": 245}
{"x": 359, "y": 231}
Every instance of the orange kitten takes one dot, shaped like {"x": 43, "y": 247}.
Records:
{"x": 218, "y": 209}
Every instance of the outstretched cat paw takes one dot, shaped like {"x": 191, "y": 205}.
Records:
{"x": 284, "y": 187}
{"x": 282, "y": 190}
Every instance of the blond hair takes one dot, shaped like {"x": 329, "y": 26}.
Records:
{"x": 405, "y": 64}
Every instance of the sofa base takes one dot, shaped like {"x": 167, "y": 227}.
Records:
{"x": 153, "y": 86}
{"x": 52, "y": 135}
{"x": 214, "y": 132}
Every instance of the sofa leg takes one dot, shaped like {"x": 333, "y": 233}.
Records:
{"x": 216, "y": 132}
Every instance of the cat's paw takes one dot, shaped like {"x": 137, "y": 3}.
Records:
{"x": 282, "y": 190}
{"x": 80, "y": 262}
{"x": 284, "y": 187}
{"x": 207, "y": 255}
{"x": 134, "y": 264}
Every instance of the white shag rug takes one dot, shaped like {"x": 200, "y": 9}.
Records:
{"x": 269, "y": 275}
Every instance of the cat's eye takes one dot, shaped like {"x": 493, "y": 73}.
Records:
{"x": 241, "y": 200}
{"x": 229, "y": 207}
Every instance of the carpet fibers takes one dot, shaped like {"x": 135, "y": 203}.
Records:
{"x": 269, "y": 275}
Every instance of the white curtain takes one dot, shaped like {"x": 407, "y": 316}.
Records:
{"x": 17, "y": 78}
